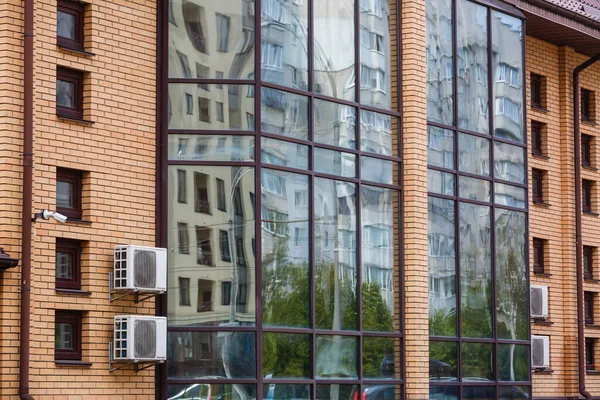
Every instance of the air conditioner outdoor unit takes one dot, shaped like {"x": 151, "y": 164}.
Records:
{"x": 140, "y": 338}
{"x": 140, "y": 269}
{"x": 540, "y": 352}
{"x": 539, "y": 301}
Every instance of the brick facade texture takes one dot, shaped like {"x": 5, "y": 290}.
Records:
{"x": 118, "y": 154}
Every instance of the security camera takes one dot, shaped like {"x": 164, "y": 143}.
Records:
{"x": 45, "y": 214}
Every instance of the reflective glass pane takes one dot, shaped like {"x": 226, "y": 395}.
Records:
{"x": 442, "y": 267}
{"x": 337, "y": 357}
{"x": 203, "y": 390}
{"x": 335, "y": 254}
{"x": 335, "y": 162}
{"x": 336, "y": 392}
{"x": 506, "y": 195}
{"x": 476, "y": 271}
{"x": 440, "y": 147}
{"x": 333, "y": 25}
{"x": 285, "y": 355}
{"x": 278, "y": 152}
{"x": 284, "y": 113}
{"x": 507, "y": 41}
{"x": 472, "y": 59}
{"x": 64, "y": 265}
{"x": 513, "y": 362}
{"x": 378, "y": 170}
{"x": 381, "y": 358}
{"x": 65, "y": 93}
{"x": 285, "y": 249}
{"x": 286, "y": 392}
{"x": 334, "y": 124}
{"x": 479, "y": 392}
{"x": 474, "y": 189}
{"x": 514, "y": 392}
{"x": 211, "y": 148}
{"x": 440, "y": 71}
{"x": 477, "y": 362}
{"x": 511, "y": 275}
{"x": 64, "y": 194}
{"x": 211, "y": 243}
{"x": 474, "y": 154}
{"x": 65, "y": 25}
{"x": 215, "y": 39}
{"x": 443, "y": 392}
{"x": 377, "y": 30}
{"x": 284, "y": 43}
{"x": 193, "y": 107}
{"x": 443, "y": 360}
{"x": 380, "y": 233}
{"x": 194, "y": 355}
{"x": 377, "y": 133}
{"x": 440, "y": 182}
{"x": 509, "y": 162}
{"x": 64, "y": 336}
{"x": 382, "y": 392}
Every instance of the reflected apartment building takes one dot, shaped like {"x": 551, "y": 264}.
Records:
{"x": 356, "y": 197}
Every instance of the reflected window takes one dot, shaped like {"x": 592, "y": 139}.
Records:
{"x": 204, "y": 109}
{"x": 222, "y": 32}
{"x": 183, "y": 238}
{"x": 184, "y": 291}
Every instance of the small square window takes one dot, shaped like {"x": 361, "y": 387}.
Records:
{"x": 538, "y": 255}
{"x": 67, "y": 335}
{"x": 588, "y": 298}
{"x": 587, "y": 105}
{"x": 68, "y": 193}
{"x": 537, "y": 89}
{"x": 536, "y": 138}
{"x": 586, "y": 195}
{"x": 69, "y": 93}
{"x": 68, "y": 264}
{"x": 588, "y": 262}
{"x": 537, "y": 178}
{"x": 586, "y": 150}
{"x": 69, "y": 24}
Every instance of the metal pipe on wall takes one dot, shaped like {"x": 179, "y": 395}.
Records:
{"x": 578, "y": 239}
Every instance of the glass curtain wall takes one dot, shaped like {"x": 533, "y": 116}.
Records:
{"x": 478, "y": 265}
{"x": 283, "y": 205}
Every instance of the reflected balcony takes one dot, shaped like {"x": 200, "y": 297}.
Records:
{"x": 202, "y": 206}
{"x": 204, "y": 257}
{"x": 205, "y": 306}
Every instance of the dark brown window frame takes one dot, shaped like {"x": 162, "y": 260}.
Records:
{"x": 539, "y": 255}
{"x": 536, "y": 93}
{"x": 537, "y": 185}
{"x": 76, "y": 78}
{"x": 72, "y": 247}
{"x": 73, "y": 318}
{"x": 588, "y": 300}
{"x": 586, "y": 195}
{"x": 589, "y": 354}
{"x": 588, "y": 253}
{"x": 586, "y": 150}
{"x": 74, "y": 177}
{"x": 76, "y": 9}
{"x": 536, "y": 138}
{"x": 586, "y": 105}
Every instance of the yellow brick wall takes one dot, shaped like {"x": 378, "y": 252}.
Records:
{"x": 117, "y": 153}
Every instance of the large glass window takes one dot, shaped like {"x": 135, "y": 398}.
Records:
{"x": 477, "y": 183}
{"x": 284, "y": 272}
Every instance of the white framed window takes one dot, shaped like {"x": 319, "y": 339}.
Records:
{"x": 372, "y": 77}
{"x": 508, "y": 74}
{"x": 272, "y": 55}
{"x": 509, "y": 108}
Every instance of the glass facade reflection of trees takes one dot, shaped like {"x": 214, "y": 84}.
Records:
{"x": 283, "y": 199}
{"x": 478, "y": 268}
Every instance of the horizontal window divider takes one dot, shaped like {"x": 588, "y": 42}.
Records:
{"x": 499, "y": 6}
{"x": 213, "y": 163}
{"x": 210, "y": 133}
{"x": 514, "y": 383}
{"x": 74, "y": 50}
{"x": 511, "y": 142}
{"x": 382, "y": 334}
{"x": 444, "y": 126}
{"x": 356, "y": 152}
{"x": 211, "y": 329}
{"x": 443, "y": 196}
{"x": 74, "y": 292}
{"x": 175, "y": 381}
{"x": 375, "y": 381}
{"x": 477, "y": 340}
{"x": 282, "y": 329}
{"x": 524, "y": 210}
{"x": 336, "y": 177}
{"x": 475, "y": 176}
{"x": 433, "y": 382}
{"x": 442, "y": 169}
{"x": 286, "y": 138}
{"x": 212, "y": 81}
{"x": 381, "y": 111}
{"x": 519, "y": 185}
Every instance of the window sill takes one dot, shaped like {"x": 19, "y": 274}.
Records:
{"x": 73, "y": 50}
{"x": 78, "y": 221}
{"x": 592, "y": 372}
{"x": 540, "y": 321}
{"x": 591, "y": 280}
{"x": 589, "y": 167}
{"x": 79, "y": 120}
{"x": 540, "y": 156}
{"x": 539, "y": 108}
{"x": 589, "y": 122}
{"x": 593, "y": 326}
{"x": 72, "y": 363}
{"x": 542, "y": 274}
{"x": 541, "y": 203}
{"x": 593, "y": 214}
{"x": 543, "y": 371}
{"x": 73, "y": 292}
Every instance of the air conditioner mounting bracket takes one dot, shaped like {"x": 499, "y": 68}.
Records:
{"x": 137, "y": 366}
{"x": 139, "y": 295}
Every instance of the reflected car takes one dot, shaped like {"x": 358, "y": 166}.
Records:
{"x": 439, "y": 369}
{"x": 376, "y": 392}
{"x": 212, "y": 391}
